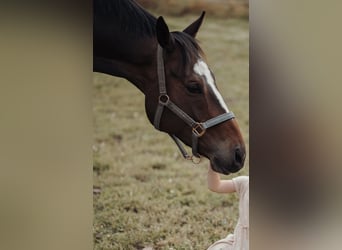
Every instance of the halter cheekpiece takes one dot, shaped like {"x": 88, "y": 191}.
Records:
{"x": 198, "y": 128}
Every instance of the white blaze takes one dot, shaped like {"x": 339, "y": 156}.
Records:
{"x": 201, "y": 68}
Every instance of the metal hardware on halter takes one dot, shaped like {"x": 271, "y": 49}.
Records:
{"x": 198, "y": 128}
{"x": 184, "y": 153}
{"x": 196, "y": 161}
{"x": 164, "y": 99}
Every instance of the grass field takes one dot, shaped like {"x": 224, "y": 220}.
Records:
{"x": 149, "y": 196}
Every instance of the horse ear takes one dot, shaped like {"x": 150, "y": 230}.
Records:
{"x": 164, "y": 36}
{"x": 194, "y": 27}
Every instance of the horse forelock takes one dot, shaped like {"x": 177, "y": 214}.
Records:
{"x": 189, "y": 48}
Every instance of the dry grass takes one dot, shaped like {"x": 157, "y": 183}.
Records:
{"x": 149, "y": 196}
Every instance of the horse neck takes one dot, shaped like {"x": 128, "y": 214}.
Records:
{"x": 135, "y": 62}
{"x": 124, "y": 41}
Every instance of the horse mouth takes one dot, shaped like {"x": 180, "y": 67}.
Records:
{"x": 219, "y": 169}
{"x": 224, "y": 171}
{"x": 226, "y": 167}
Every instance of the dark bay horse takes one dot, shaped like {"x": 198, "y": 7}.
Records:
{"x": 181, "y": 97}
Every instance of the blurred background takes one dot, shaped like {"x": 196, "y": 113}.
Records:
{"x": 217, "y": 8}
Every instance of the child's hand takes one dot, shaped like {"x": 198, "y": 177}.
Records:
{"x": 217, "y": 185}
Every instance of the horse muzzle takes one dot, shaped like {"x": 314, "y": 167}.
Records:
{"x": 224, "y": 163}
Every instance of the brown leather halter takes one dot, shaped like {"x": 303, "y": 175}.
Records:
{"x": 198, "y": 128}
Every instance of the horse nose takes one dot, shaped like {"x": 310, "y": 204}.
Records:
{"x": 239, "y": 158}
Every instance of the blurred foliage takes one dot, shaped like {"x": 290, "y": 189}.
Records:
{"x": 217, "y": 8}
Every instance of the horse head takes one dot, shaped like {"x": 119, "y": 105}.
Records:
{"x": 191, "y": 86}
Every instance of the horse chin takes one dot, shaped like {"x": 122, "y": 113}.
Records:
{"x": 220, "y": 167}
{"x": 223, "y": 171}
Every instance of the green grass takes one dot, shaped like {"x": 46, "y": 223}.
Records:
{"x": 150, "y": 196}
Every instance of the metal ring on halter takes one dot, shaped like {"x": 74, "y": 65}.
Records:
{"x": 198, "y": 129}
{"x": 164, "y": 99}
{"x": 193, "y": 159}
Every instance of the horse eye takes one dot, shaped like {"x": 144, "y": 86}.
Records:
{"x": 194, "y": 88}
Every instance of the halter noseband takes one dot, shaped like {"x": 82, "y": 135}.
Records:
{"x": 198, "y": 128}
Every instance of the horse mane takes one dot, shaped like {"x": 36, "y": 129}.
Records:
{"x": 127, "y": 14}
{"x": 131, "y": 18}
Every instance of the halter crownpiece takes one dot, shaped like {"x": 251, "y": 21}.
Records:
{"x": 198, "y": 128}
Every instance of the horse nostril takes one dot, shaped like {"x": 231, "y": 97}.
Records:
{"x": 239, "y": 156}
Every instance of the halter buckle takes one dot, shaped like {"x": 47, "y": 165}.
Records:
{"x": 198, "y": 129}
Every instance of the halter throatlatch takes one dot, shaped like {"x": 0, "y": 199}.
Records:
{"x": 198, "y": 128}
